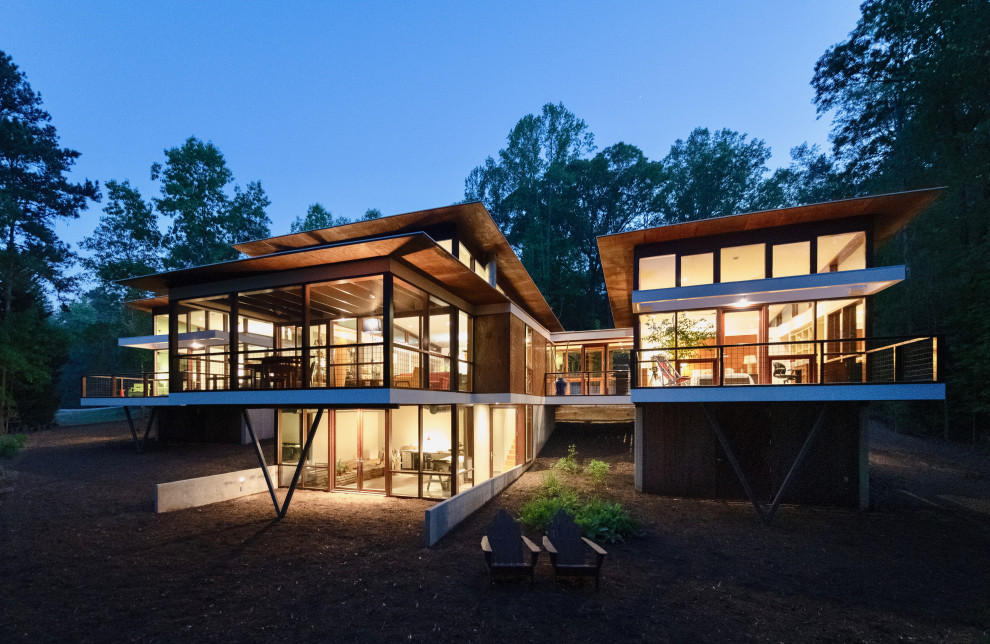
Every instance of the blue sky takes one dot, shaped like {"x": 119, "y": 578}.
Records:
{"x": 390, "y": 105}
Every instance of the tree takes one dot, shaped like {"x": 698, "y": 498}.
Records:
{"x": 317, "y": 217}
{"x": 812, "y": 177}
{"x": 612, "y": 192}
{"x": 713, "y": 175}
{"x": 525, "y": 193}
{"x": 126, "y": 242}
{"x": 372, "y": 213}
{"x": 910, "y": 100}
{"x": 206, "y": 221}
{"x": 35, "y": 195}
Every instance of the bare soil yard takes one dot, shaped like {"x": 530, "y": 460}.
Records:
{"x": 83, "y": 557}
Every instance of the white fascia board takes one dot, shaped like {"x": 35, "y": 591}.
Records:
{"x": 796, "y": 288}
{"x": 372, "y": 397}
{"x": 592, "y": 335}
{"x": 587, "y": 400}
{"x": 186, "y": 339}
{"x": 791, "y": 393}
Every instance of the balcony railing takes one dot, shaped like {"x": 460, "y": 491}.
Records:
{"x": 838, "y": 361}
{"x": 134, "y": 385}
{"x": 588, "y": 383}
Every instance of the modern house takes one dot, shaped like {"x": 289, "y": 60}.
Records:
{"x": 414, "y": 356}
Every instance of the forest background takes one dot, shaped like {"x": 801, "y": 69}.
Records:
{"x": 909, "y": 99}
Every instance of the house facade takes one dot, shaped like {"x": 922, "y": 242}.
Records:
{"x": 414, "y": 356}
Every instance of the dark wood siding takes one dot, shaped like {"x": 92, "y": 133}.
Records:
{"x": 491, "y": 353}
{"x": 682, "y": 456}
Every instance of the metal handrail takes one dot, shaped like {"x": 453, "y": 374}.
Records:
{"x": 875, "y": 360}
{"x": 588, "y": 383}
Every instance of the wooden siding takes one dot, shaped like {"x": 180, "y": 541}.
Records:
{"x": 491, "y": 353}
{"x": 682, "y": 456}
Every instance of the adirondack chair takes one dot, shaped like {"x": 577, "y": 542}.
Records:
{"x": 569, "y": 551}
{"x": 505, "y": 555}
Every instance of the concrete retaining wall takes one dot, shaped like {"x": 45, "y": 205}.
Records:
{"x": 442, "y": 517}
{"x": 192, "y": 493}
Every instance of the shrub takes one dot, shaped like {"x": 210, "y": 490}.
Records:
{"x": 598, "y": 471}
{"x": 10, "y": 444}
{"x": 551, "y": 484}
{"x": 569, "y": 463}
{"x": 604, "y": 520}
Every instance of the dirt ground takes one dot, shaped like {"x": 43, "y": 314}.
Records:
{"x": 84, "y": 558}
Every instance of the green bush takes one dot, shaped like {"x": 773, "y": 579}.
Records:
{"x": 569, "y": 463}
{"x": 598, "y": 519}
{"x": 10, "y": 444}
{"x": 604, "y": 520}
{"x": 598, "y": 471}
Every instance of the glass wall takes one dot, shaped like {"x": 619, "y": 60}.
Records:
{"x": 465, "y": 447}
{"x": 772, "y": 344}
{"x": 465, "y": 351}
{"x": 504, "y": 447}
{"x": 345, "y": 333}
{"x": 437, "y": 453}
{"x": 423, "y": 471}
{"x": 270, "y": 353}
{"x": 424, "y": 344}
{"x": 294, "y": 427}
{"x": 441, "y": 319}
{"x": 404, "y": 453}
{"x": 412, "y": 451}
{"x": 203, "y": 361}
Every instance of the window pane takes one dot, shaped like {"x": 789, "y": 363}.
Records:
{"x": 741, "y": 263}
{"x": 791, "y": 259}
{"x": 696, "y": 328}
{"x": 697, "y": 269}
{"x": 845, "y": 252}
{"x": 437, "y": 456}
{"x": 656, "y": 331}
{"x": 656, "y": 272}
{"x": 404, "y": 453}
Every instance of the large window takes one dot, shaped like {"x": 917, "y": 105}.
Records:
{"x": 791, "y": 259}
{"x": 421, "y": 457}
{"x": 203, "y": 358}
{"x": 740, "y": 263}
{"x": 845, "y": 252}
{"x": 345, "y": 332}
{"x": 465, "y": 351}
{"x": 529, "y": 360}
{"x": 657, "y": 272}
{"x": 697, "y": 269}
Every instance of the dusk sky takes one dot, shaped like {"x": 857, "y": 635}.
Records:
{"x": 390, "y": 105}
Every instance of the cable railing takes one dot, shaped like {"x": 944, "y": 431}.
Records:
{"x": 131, "y": 385}
{"x": 833, "y": 361}
{"x": 588, "y": 383}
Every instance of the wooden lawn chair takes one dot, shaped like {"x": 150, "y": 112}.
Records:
{"x": 569, "y": 550}
{"x": 505, "y": 555}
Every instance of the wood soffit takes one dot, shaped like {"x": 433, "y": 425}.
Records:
{"x": 417, "y": 250}
{"x": 889, "y": 212}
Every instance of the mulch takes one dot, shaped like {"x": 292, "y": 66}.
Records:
{"x": 83, "y": 557}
